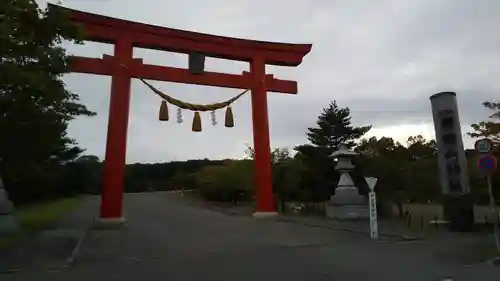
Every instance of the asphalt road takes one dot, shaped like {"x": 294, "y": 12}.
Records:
{"x": 167, "y": 239}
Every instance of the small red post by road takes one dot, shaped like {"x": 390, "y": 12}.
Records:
{"x": 122, "y": 67}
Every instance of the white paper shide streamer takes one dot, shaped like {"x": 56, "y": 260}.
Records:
{"x": 213, "y": 117}
{"x": 179, "y": 115}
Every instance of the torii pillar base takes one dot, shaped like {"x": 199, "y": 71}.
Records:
{"x": 111, "y": 223}
{"x": 264, "y": 215}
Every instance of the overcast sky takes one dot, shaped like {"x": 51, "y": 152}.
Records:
{"x": 382, "y": 59}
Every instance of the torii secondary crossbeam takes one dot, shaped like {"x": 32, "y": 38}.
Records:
{"x": 122, "y": 67}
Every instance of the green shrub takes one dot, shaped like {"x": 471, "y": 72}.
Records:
{"x": 231, "y": 182}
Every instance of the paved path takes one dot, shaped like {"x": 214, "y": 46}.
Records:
{"x": 166, "y": 239}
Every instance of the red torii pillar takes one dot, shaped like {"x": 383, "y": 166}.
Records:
{"x": 125, "y": 35}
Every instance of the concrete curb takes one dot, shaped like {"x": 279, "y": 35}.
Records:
{"x": 395, "y": 235}
{"x": 81, "y": 240}
{"x": 76, "y": 250}
{"x": 496, "y": 261}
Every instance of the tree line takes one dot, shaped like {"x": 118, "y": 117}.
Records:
{"x": 39, "y": 161}
{"x": 406, "y": 172}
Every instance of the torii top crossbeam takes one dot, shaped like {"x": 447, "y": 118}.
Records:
{"x": 105, "y": 29}
{"x": 181, "y": 41}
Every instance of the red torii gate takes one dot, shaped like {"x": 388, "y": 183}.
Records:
{"x": 125, "y": 35}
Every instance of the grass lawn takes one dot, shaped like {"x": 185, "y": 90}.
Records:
{"x": 38, "y": 216}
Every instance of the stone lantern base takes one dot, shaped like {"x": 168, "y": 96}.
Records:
{"x": 347, "y": 204}
{"x": 8, "y": 223}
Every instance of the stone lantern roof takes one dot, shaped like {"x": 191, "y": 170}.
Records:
{"x": 343, "y": 152}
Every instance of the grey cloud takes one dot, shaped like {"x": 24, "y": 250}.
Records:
{"x": 383, "y": 59}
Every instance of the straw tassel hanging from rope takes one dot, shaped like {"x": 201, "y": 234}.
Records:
{"x": 196, "y": 122}
{"x": 229, "y": 120}
{"x": 196, "y": 126}
{"x": 163, "y": 114}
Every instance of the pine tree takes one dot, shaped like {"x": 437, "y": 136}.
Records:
{"x": 334, "y": 128}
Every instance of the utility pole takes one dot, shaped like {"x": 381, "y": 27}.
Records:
{"x": 496, "y": 216}
{"x": 487, "y": 163}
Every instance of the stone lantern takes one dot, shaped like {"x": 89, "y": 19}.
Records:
{"x": 347, "y": 203}
{"x": 7, "y": 221}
